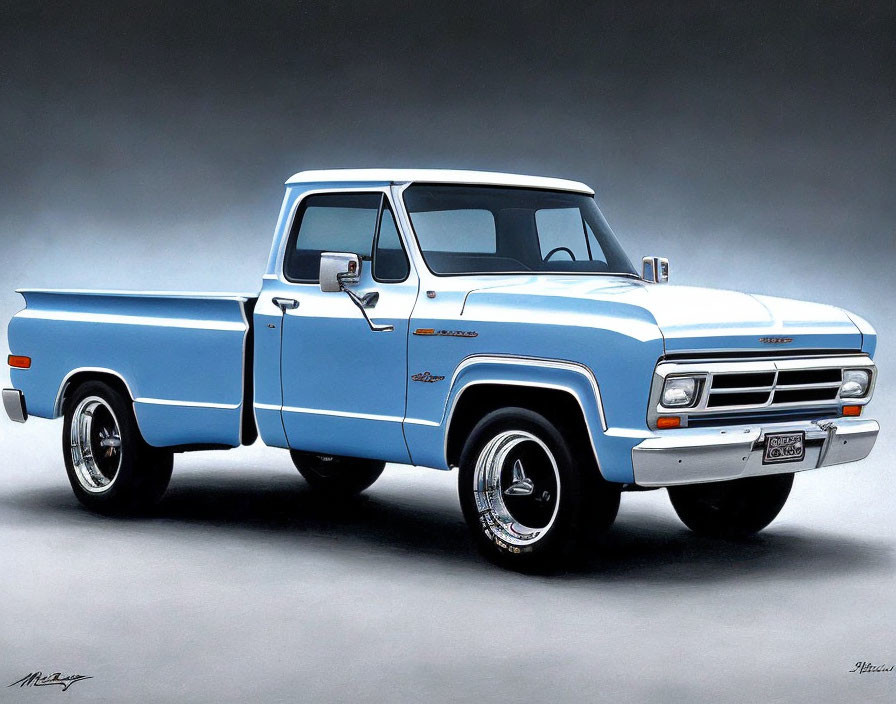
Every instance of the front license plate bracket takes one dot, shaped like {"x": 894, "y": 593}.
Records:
{"x": 784, "y": 447}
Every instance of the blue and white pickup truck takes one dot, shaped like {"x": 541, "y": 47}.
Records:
{"x": 484, "y": 321}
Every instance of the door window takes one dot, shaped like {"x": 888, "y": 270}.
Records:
{"x": 330, "y": 222}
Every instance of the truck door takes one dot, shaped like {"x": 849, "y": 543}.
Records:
{"x": 344, "y": 385}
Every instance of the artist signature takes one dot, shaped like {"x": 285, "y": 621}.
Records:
{"x": 39, "y": 679}
{"x": 863, "y": 667}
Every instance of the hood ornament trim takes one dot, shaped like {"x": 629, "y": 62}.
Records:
{"x": 775, "y": 340}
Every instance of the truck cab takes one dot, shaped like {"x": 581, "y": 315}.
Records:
{"x": 455, "y": 319}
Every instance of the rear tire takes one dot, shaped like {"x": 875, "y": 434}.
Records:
{"x": 337, "y": 476}
{"x": 532, "y": 496}
{"x": 732, "y": 509}
{"x": 110, "y": 466}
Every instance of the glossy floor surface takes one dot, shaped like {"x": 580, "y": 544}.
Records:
{"x": 245, "y": 586}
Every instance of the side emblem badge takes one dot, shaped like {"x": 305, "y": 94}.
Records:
{"x": 775, "y": 340}
{"x": 430, "y": 332}
{"x": 427, "y": 377}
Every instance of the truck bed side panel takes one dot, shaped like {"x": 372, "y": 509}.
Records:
{"x": 182, "y": 357}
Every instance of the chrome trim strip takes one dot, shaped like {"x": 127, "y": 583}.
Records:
{"x": 364, "y": 416}
{"x": 794, "y": 387}
{"x": 115, "y": 318}
{"x": 187, "y": 404}
{"x": 340, "y": 414}
{"x": 421, "y": 421}
{"x": 14, "y": 404}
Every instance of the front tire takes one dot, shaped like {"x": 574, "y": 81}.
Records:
{"x": 732, "y": 509}
{"x": 531, "y": 495}
{"x": 110, "y": 466}
{"x": 337, "y": 476}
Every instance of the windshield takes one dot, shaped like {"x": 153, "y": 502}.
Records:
{"x": 485, "y": 229}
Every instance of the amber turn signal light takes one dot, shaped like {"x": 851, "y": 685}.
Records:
{"x": 668, "y": 422}
{"x": 18, "y": 361}
{"x": 852, "y": 410}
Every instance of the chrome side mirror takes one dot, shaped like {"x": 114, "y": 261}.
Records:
{"x": 338, "y": 270}
{"x": 655, "y": 270}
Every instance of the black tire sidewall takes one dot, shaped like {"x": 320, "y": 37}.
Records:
{"x": 353, "y": 475}
{"x": 732, "y": 509}
{"x": 561, "y": 538}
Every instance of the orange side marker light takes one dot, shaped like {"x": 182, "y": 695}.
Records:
{"x": 852, "y": 410}
{"x": 19, "y": 361}
{"x": 664, "y": 422}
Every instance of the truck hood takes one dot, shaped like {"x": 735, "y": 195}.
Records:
{"x": 689, "y": 318}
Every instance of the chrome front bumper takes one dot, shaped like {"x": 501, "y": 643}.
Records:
{"x": 694, "y": 455}
{"x": 14, "y": 403}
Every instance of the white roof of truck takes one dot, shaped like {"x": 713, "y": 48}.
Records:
{"x": 479, "y": 178}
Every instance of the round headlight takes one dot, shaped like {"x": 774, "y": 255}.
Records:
{"x": 855, "y": 383}
{"x": 680, "y": 392}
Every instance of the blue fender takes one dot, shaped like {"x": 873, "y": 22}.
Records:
{"x": 428, "y": 440}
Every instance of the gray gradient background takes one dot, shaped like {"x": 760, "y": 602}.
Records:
{"x": 145, "y": 147}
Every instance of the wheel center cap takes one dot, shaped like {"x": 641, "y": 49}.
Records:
{"x": 109, "y": 441}
{"x": 522, "y": 485}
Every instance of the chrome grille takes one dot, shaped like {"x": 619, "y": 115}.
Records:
{"x": 773, "y": 388}
{"x": 752, "y": 389}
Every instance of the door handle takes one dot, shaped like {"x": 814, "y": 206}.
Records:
{"x": 285, "y": 304}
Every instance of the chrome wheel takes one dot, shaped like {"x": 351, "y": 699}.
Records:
{"x": 95, "y": 444}
{"x": 516, "y": 485}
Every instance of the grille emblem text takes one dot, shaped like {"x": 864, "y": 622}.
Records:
{"x": 775, "y": 340}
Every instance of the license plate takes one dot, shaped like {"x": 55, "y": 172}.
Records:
{"x": 784, "y": 447}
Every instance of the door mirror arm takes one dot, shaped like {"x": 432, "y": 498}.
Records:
{"x": 360, "y": 302}
{"x": 338, "y": 271}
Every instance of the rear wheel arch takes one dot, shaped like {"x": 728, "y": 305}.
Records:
{"x": 79, "y": 377}
{"x": 476, "y": 400}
